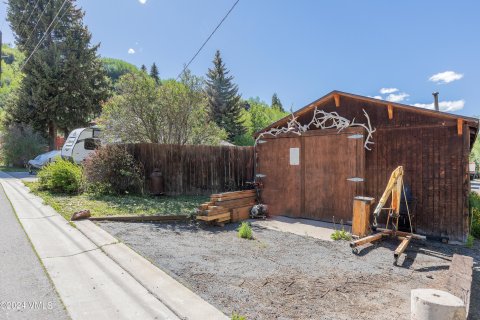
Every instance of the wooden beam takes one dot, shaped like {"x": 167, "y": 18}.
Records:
{"x": 368, "y": 239}
{"x": 390, "y": 112}
{"x": 401, "y": 248}
{"x": 460, "y": 127}
{"x": 337, "y": 100}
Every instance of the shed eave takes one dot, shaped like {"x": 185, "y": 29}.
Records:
{"x": 472, "y": 122}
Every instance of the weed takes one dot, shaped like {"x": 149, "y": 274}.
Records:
{"x": 474, "y": 201}
{"x": 245, "y": 231}
{"x": 340, "y": 234}
{"x": 236, "y": 316}
{"x": 470, "y": 240}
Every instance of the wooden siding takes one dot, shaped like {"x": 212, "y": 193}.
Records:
{"x": 433, "y": 154}
{"x": 196, "y": 169}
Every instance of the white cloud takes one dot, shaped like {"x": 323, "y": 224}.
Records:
{"x": 447, "y": 106}
{"x": 446, "y": 77}
{"x": 378, "y": 97}
{"x": 142, "y": 1}
{"x": 131, "y": 51}
{"x": 397, "y": 97}
{"x": 388, "y": 90}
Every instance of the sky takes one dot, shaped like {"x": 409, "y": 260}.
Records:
{"x": 396, "y": 50}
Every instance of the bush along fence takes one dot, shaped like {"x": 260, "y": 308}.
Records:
{"x": 196, "y": 169}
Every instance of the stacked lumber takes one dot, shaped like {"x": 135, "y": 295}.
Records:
{"x": 227, "y": 207}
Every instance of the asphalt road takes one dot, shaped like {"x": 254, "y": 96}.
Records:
{"x": 26, "y": 292}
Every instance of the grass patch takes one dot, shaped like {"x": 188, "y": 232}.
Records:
{"x": 245, "y": 231}
{"x": 110, "y": 205}
{"x": 13, "y": 169}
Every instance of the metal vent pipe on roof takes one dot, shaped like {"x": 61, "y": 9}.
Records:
{"x": 435, "y": 103}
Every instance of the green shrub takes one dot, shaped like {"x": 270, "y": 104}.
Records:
{"x": 20, "y": 144}
{"x": 236, "y": 316}
{"x": 61, "y": 176}
{"x": 112, "y": 170}
{"x": 475, "y": 214}
{"x": 245, "y": 231}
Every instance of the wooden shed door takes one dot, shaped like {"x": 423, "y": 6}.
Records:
{"x": 307, "y": 176}
{"x": 333, "y": 174}
{"x": 282, "y": 190}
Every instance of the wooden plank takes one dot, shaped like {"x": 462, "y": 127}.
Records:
{"x": 214, "y": 217}
{"x": 136, "y": 218}
{"x": 369, "y": 239}
{"x": 403, "y": 245}
{"x": 240, "y": 214}
{"x": 231, "y": 204}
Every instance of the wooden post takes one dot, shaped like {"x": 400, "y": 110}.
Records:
{"x": 361, "y": 216}
{"x": 390, "y": 112}
{"x": 459, "y": 127}
{"x": 337, "y": 100}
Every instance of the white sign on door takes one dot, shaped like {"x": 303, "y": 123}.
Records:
{"x": 294, "y": 156}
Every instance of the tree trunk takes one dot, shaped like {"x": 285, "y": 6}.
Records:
{"x": 52, "y": 134}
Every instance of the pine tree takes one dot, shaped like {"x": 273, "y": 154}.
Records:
{"x": 276, "y": 103}
{"x": 223, "y": 99}
{"x": 64, "y": 83}
{"x": 143, "y": 68}
{"x": 154, "y": 73}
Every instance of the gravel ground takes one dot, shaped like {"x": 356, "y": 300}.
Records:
{"x": 285, "y": 276}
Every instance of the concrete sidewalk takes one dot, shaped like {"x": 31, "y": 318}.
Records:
{"x": 302, "y": 227}
{"x": 25, "y": 290}
{"x": 91, "y": 284}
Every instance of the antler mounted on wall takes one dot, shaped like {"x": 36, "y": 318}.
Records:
{"x": 322, "y": 120}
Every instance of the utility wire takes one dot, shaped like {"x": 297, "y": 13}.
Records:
{"x": 44, "y": 35}
{"x": 28, "y": 19}
{"x": 205, "y": 42}
{"x": 36, "y": 24}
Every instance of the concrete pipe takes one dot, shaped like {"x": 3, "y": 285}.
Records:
{"x": 432, "y": 304}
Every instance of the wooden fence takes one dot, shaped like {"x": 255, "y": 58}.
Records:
{"x": 196, "y": 169}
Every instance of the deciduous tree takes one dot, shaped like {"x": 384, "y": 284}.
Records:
{"x": 173, "y": 113}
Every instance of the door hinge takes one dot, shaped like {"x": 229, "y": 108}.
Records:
{"x": 356, "y": 179}
{"x": 356, "y": 136}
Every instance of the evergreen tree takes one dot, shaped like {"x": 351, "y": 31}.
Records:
{"x": 143, "y": 68}
{"x": 64, "y": 83}
{"x": 276, "y": 103}
{"x": 154, "y": 73}
{"x": 223, "y": 99}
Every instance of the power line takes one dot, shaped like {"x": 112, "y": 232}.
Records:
{"x": 44, "y": 35}
{"x": 36, "y": 24}
{"x": 28, "y": 19}
{"x": 204, "y": 43}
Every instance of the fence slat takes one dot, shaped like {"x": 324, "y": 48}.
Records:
{"x": 196, "y": 169}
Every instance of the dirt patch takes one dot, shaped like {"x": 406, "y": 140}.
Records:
{"x": 285, "y": 276}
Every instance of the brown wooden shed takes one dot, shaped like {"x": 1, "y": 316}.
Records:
{"x": 317, "y": 173}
